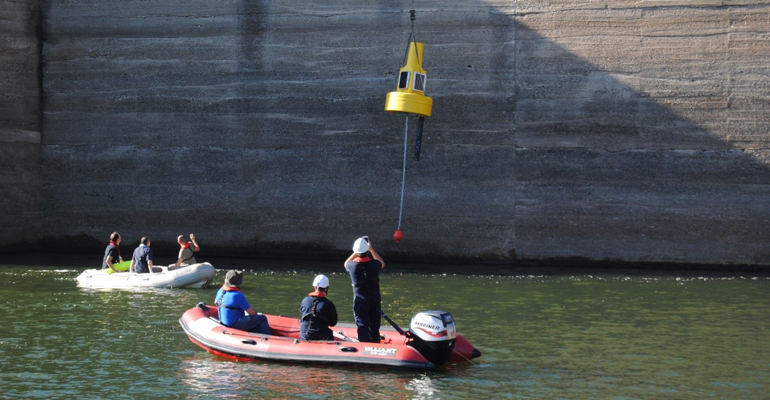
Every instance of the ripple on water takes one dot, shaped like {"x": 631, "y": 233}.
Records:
{"x": 561, "y": 336}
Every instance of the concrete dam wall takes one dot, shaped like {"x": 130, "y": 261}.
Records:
{"x": 620, "y": 131}
{"x": 21, "y": 217}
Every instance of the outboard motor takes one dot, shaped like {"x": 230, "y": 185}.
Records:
{"x": 433, "y": 334}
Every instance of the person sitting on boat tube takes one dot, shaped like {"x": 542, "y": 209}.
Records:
{"x": 364, "y": 267}
{"x": 112, "y": 253}
{"x": 141, "y": 262}
{"x": 317, "y": 312}
{"x": 187, "y": 250}
{"x": 234, "y": 310}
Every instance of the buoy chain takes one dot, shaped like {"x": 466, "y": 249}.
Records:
{"x": 403, "y": 173}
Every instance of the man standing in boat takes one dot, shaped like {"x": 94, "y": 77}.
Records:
{"x": 364, "y": 267}
{"x": 112, "y": 253}
{"x": 233, "y": 304}
{"x": 141, "y": 262}
{"x": 317, "y": 313}
{"x": 187, "y": 250}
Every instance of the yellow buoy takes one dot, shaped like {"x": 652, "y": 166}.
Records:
{"x": 409, "y": 97}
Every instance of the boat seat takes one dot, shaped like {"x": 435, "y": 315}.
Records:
{"x": 215, "y": 320}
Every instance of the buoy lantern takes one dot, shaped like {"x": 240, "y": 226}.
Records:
{"x": 409, "y": 96}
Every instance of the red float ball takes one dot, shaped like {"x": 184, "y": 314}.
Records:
{"x": 398, "y": 235}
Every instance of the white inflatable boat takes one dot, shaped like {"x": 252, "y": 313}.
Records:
{"x": 189, "y": 276}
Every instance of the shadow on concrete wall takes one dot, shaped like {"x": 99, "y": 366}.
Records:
{"x": 629, "y": 160}
{"x": 633, "y": 163}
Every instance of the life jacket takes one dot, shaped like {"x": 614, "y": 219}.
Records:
{"x": 306, "y": 317}
{"x": 365, "y": 283}
{"x": 192, "y": 251}
{"x": 316, "y": 296}
{"x": 225, "y": 290}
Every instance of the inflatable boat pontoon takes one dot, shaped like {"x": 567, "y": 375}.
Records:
{"x": 430, "y": 341}
{"x": 190, "y": 276}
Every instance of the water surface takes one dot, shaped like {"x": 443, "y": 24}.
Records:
{"x": 542, "y": 335}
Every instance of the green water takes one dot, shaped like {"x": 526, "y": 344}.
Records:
{"x": 542, "y": 336}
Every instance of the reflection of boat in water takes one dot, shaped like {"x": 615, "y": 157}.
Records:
{"x": 291, "y": 381}
{"x": 190, "y": 276}
{"x": 430, "y": 341}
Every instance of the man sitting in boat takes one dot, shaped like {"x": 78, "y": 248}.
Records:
{"x": 317, "y": 312}
{"x": 141, "y": 262}
{"x": 187, "y": 250}
{"x": 233, "y": 304}
{"x": 112, "y": 253}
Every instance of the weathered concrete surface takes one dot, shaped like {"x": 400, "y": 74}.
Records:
{"x": 624, "y": 130}
{"x": 20, "y": 213}
{"x": 644, "y": 131}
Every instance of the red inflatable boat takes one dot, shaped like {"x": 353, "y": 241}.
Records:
{"x": 430, "y": 341}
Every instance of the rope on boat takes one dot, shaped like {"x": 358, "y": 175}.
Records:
{"x": 466, "y": 358}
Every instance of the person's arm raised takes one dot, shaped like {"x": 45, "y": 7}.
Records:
{"x": 377, "y": 256}
{"x": 195, "y": 244}
{"x": 345, "y": 264}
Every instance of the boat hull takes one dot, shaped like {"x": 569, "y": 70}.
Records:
{"x": 189, "y": 276}
{"x": 202, "y": 327}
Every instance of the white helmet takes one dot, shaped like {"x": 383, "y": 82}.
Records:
{"x": 321, "y": 281}
{"x": 361, "y": 246}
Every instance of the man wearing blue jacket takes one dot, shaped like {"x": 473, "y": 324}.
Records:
{"x": 141, "y": 261}
{"x": 234, "y": 310}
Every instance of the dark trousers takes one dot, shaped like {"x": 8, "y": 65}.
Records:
{"x": 367, "y": 315}
{"x": 252, "y": 323}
